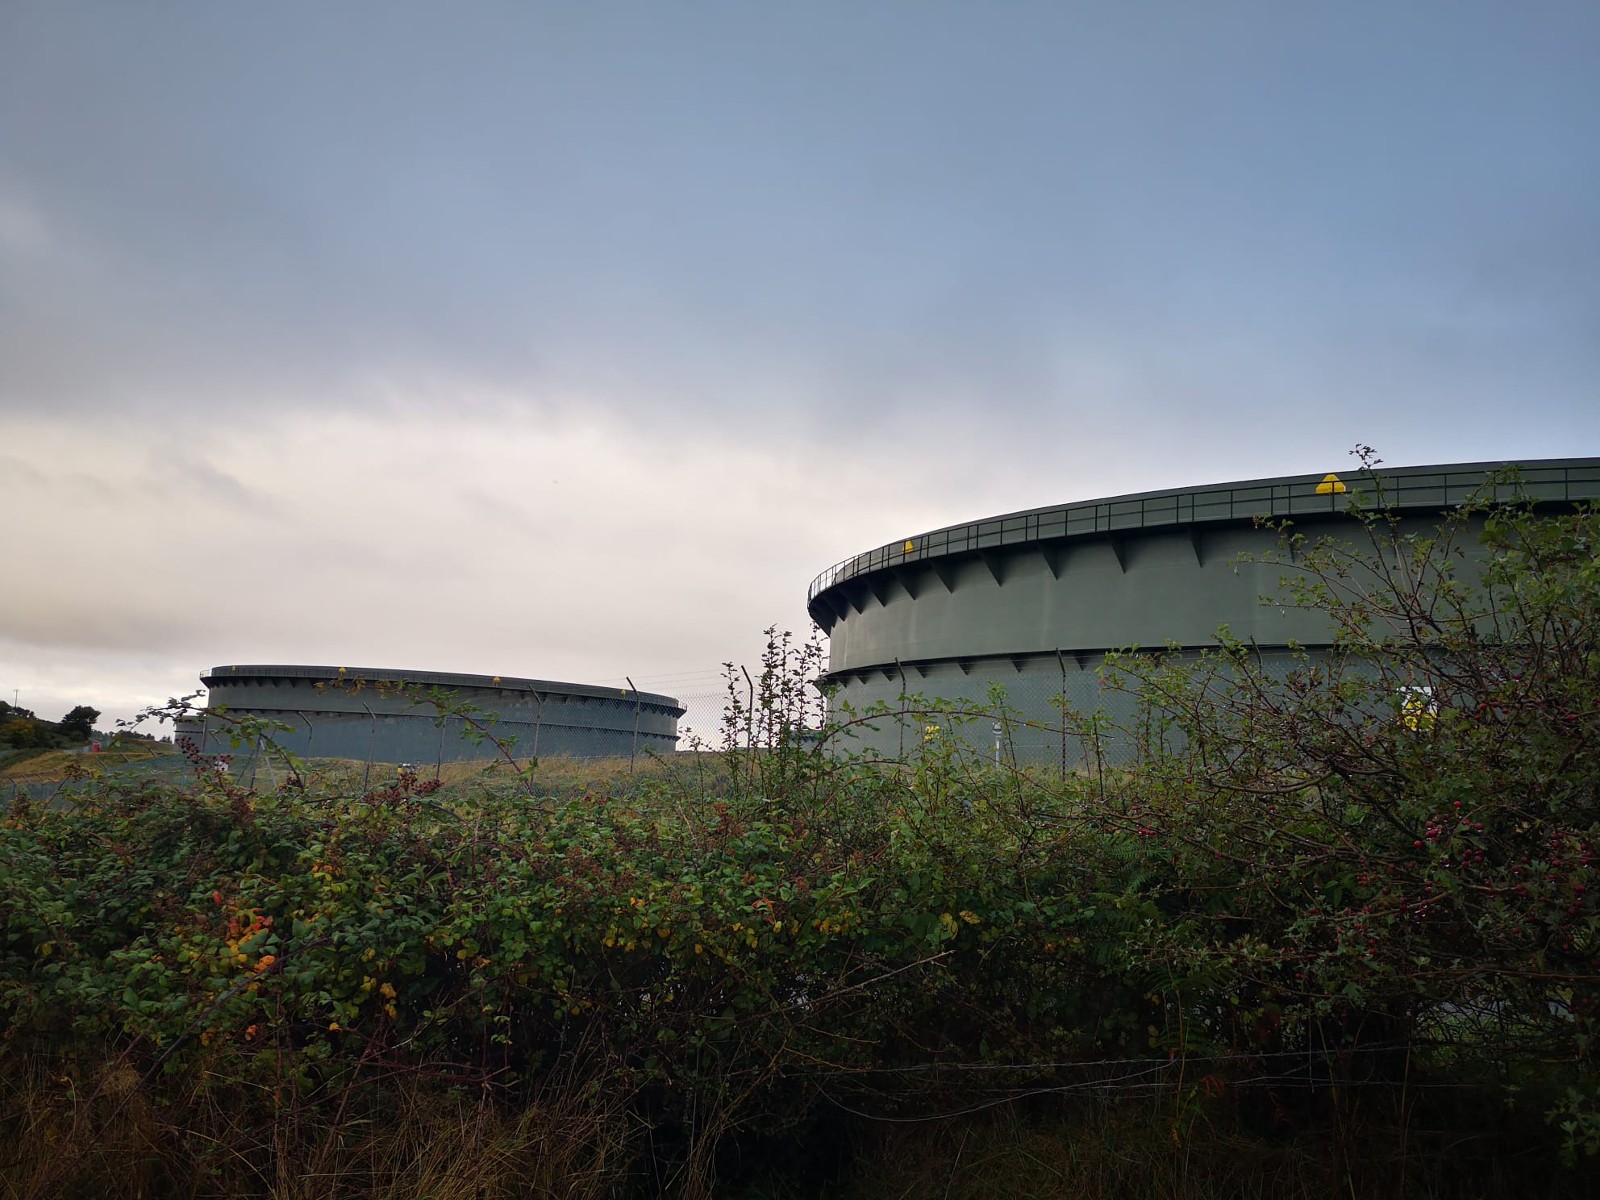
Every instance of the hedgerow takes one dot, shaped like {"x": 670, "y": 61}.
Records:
{"x": 734, "y": 959}
{"x": 1353, "y": 909}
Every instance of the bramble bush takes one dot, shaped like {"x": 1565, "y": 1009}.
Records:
{"x": 715, "y": 965}
{"x": 1394, "y": 845}
{"x": 1327, "y": 928}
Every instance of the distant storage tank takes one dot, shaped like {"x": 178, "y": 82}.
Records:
{"x": 1030, "y": 603}
{"x": 380, "y": 715}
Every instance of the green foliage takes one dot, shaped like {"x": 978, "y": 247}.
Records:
{"x": 1395, "y": 846}
{"x": 20, "y": 729}
{"x": 79, "y": 722}
{"x": 702, "y": 961}
{"x": 25, "y": 733}
{"x": 1324, "y": 905}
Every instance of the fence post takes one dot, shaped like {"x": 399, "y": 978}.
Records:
{"x": 633, "y": 748}
{"x": 750, "y": 709}
{"x": 538, "y": 722}
{"x": 901, "y": 672}
{"x": 1061, "y": 662}
{"x": 372, "y": 736}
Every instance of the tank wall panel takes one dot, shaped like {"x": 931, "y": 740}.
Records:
{"x": 1019, "y": 610}
{"x": 392, "y": 738}
{"x": 376, "y": 720}
{"x": 1039, "y": 706}
{"x": 1149, "y": 589}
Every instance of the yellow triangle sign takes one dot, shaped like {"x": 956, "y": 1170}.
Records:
{"x": 1331, "y": 485}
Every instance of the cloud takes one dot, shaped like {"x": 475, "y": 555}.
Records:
{"x": 731, "y": 216}
{"x": 23, "y": 228}
{"x": 573, "y": 342}
{"x": 508, "y": 547}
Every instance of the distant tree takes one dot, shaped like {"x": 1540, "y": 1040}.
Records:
{"x": 24, "y": 733}
{"x": 79, "y": 723}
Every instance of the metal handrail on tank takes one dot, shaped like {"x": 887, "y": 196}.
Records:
{"x": 1432, "y": 487}
{"x": 442, "y": 679}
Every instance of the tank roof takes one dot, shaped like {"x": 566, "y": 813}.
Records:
{"x": 438, "y": 679}
{"x": 1428, "y": 488}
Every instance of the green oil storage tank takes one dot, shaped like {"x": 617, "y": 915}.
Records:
{"x": 1027, "y": 605}
{"x": 377, "y": 714}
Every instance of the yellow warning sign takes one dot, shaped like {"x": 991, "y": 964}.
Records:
{"x": 908, "y": 547}
{"x": 1331, "y": 485}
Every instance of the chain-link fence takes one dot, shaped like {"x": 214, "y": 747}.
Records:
{"x": 1037, "y": 710}
{"x": 376, "y": 734}
{"x": 1073, "y": 711}
{"x": 1042, "y": 710}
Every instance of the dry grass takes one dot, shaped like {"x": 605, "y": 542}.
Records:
{"x": 114, "y": 1138}
{"x": 460, "y": 1148}
{"x": 53, "y": 765}
{"x": 559, "y": 775}
{"x": 1112, "y": 1154}
{"x": 552, "y": 776}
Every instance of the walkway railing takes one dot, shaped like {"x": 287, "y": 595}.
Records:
{"x": 1432, "y": 488}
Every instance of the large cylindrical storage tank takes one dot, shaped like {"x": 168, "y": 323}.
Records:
{"x": 381, "y": 715}
{"x": 1027, "y": 605}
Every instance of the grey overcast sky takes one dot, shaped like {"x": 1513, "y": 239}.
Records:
{"x": 573, "y": 340}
